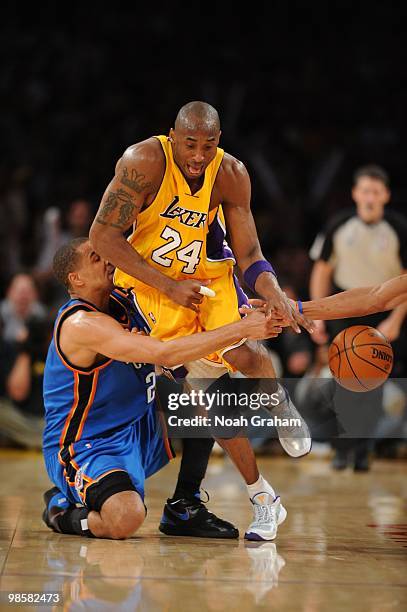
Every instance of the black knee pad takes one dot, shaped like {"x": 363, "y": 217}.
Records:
{"x": 115, "y": 482}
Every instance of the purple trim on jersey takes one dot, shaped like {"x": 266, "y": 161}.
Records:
{"x": 217, "y": 248}
{"x": 242, "y": 298}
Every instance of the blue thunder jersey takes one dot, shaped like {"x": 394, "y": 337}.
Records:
{"x": 87, "y": 403}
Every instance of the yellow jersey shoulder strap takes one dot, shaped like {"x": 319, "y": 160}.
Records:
{"x": 214, "y": 166}
{"x": 166, "y": 146}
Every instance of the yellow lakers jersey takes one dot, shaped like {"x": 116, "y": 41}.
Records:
{"x": 177, "y": 234}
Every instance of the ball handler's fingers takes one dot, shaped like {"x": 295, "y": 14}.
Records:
{"x": 206, "y": 291}
{"x": 256, "y": 303}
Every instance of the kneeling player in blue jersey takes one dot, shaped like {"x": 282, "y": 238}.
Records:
{"x": 102, "y": 438}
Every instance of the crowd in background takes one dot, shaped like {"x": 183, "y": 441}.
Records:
{"x": 74, "y": 99}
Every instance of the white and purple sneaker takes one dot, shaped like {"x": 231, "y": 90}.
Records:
{"x": 269, "y": 513}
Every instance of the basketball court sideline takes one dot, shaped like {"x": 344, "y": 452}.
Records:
{"x": 343, "y": 546}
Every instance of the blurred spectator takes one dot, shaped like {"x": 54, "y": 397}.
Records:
{"x": 55, "y": 232}
{"x": 21, "y": 379}
{"x": 52, "y": 237}
{"x": 7, "y": 359}
{"x": 20, "y": 304}
{"x": 78, "y": 219}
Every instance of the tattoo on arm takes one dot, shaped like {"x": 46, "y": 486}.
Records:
{"x": 135, "y": 180}
{"x": 122, "y": 201}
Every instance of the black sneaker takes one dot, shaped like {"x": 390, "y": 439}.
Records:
{"x": 190, "y": 517}
{"x": 50, "y": 513}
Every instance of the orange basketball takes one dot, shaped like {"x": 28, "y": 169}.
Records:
{"x": 360, "y": 358}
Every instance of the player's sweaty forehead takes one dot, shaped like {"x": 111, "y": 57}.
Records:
{"x": 197, "y": 134}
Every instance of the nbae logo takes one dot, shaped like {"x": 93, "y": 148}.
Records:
{"x": 377, "y": 354}
{"x": 190, "y": 218}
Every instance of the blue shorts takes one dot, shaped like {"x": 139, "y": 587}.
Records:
{"x": 91, "y": 470}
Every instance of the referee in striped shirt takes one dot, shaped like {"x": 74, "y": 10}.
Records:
{"x": 361, "y": 248}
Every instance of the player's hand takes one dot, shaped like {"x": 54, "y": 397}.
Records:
{"x": 390, "y": 328}
{"x": 274, "y": 324}
{"x": 186, "y": 292}
{"x": 301, "y": 319}
{"x": 279, "y": 304}
{"x": 257, "y": 326}
{"x": 320, "y": 335}
{"x": 284, "y": 321}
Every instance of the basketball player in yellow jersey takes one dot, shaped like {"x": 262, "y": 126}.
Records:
{"x": 179, "y": 192}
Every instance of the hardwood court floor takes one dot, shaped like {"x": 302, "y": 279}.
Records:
{"x": 342, "y": 547}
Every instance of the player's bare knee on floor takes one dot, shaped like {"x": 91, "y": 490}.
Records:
{"x": 123, "y": 514}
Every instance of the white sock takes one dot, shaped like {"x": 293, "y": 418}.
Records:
{"x": 260, "y": 486}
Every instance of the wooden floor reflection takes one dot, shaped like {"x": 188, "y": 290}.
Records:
{"x": 343, "y": 546}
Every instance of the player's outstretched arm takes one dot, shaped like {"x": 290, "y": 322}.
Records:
{"x": 138, "y": 175}
{"x": 235, "y": 189}
{"x": 87, "y": 334}
{"x": 360, "y": 302}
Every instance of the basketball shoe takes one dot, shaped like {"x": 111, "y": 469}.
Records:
{"x": 269, "y": 513}
{"x": 55, "y": 505}
{"x": 190, "y": 517}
